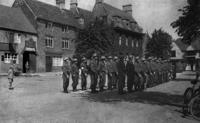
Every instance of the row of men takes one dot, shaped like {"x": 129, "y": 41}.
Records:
{"x": 137, "y": 73}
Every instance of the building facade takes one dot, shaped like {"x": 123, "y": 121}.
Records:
{"x": 57, "y": 31}
{"x": 128, "y": 34}
{"x": 18, "y": 40}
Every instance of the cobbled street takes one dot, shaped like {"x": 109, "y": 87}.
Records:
{"x": 41, "y": 100}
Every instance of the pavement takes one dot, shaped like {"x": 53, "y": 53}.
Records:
{"x": 39, "y": 99}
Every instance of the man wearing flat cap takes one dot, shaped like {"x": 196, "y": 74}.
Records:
{"x": 84, "y": 73}
{"x": 102, "y": 73}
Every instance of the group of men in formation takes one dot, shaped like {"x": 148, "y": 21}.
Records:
{"x": 122, "y": 72}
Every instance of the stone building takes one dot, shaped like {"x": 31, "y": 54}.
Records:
{"x": 128, "y": 34}
{"x": 56, "y": 29}
{"x": 18, "y": 38}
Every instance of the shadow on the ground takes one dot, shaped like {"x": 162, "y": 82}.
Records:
{"x": 154, "y": 98}
{"x": 182, "y": 79}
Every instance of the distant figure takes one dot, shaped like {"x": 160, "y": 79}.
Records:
{"x": 10, "y": 77}
{"x": 27, "y": 66}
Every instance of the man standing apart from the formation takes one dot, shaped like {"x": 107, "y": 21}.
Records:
{"x": 66, "y": 74}
{"x": 94, "y": 73}
{"x": 10, "y": 77}
{"x": 84, "y": 72}
{"x": 75, "y": 74}
{"x": 102, "y": 73}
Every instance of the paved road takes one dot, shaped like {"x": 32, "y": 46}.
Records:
{"x": 40, "y": 100}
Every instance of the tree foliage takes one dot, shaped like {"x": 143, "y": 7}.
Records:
{"x": 97, "y": 37}
{"x": 188, "y": 24}
{"x": 159, "y": 44}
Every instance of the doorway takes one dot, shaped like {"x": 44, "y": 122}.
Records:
{"x": 29, "y": 62}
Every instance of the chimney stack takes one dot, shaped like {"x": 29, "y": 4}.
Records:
{"x": 128, "y": 9}
{"x": 60, "y": 4}
{"x": 73, "y": 4}
{"x": 99, "y": 1}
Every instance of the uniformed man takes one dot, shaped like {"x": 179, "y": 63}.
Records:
{"x": 75, "y": 74}
{"x": 130, "y": 74}
{"x": 102, "y": 73}
{"x": 84, "y": 73}
{"x": 94, "y": 72}
{"x": 111, "y": 67}
{"x": 66, "y": 74}
{"x": 115, "y": 74}
{"x": 137, "y": 77}
{"x": 121, "y": 74}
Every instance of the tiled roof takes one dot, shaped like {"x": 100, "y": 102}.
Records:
{"x": 14, "y": 19}
{"x": 181, "y": 45}
{"x": 52, "y": 13}
{"x": 105, "y": 9}
{"x": 118, "y": 12}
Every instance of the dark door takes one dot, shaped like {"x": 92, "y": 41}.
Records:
{"x": 25, "y": 60}
{"x": 48, "y": 63}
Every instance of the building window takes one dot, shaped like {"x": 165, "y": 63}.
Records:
{"x": 49, "y": 25}
{"x": 65, "y": 44}
{"x": 57, "y": 61}
{"x": 120, "y": 41}
{"x": 17, "y": 38}
{"x": 137, "y": 43}
{"x": 81, "y": 21}
{"x": 126, "y": 41}
{"x": 173, "y": 53}
{"x": 49, "y": 42}
{"x": 65, "y": 29}
{"x": 9, "y": 57}
{"x": 132, "y": 43}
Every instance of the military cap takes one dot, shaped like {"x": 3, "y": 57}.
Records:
{"x": 66, "y": 58}
{"x": 103, "y": 57}
{"x": 94, "y": 55}
{"x": 110, "y": 57}
{"x": 115, "y": 57}
{"x": 83, "y": 58}
{"x": 75, "y": 59}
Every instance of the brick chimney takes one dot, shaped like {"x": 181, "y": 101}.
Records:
{"x": 60, "y": 4}
{"x": 73, "y": 4}
{"x": 128, "y": 9}
{"x": 99, "y": 1}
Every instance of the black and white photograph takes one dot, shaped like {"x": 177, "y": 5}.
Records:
{"x": 99, "y": 61}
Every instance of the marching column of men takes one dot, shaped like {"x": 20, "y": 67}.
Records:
{"x": 123, "y": 73}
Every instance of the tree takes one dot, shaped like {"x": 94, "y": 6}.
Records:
{"x": 97, "y": 37}
{"x": 159, "y": 45}
{"x": 188, "y": 24}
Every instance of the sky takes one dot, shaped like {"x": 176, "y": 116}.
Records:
{"x": 150, "y": 14}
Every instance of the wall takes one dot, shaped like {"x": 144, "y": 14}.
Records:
{"x": 10, "y": 37}
{"x": 57, "y": 50}
{"x": 179, "y": 53}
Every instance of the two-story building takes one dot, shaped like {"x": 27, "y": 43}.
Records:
{"x": 56, "y": 28}
{"x": 18, "y": 39}
{"x": 128, "y": 34}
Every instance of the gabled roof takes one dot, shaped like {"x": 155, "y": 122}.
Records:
{"x": 14, "y": 19}
{"x": 181, "y": 45}
{"x": 104, "y": 9}
{"x": 52, "y": 13}
{"x": 82, "y": 13}
{"x": 118, "y": 12}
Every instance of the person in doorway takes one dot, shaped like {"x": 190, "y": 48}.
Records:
{"x": 27, "y": 67}
{"x": 11, "y": 77}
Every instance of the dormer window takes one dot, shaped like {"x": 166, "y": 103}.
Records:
{"x": 65, "y": 28}
{"x": 49, "y": 25}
